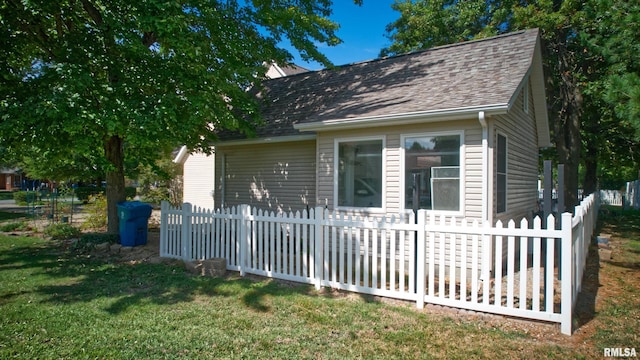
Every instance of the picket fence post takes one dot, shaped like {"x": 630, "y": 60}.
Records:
{"x": 243, "y": 239}
{"x": 164, "y": 227}
{"x": 566, "y": 306}
{"x": 186, "y": 232}
{"x": 420, "y": 258}
{"x": 318, "y": 246}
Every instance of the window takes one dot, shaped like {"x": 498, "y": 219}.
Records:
{"x": 434, "y": 162}
{"x": 501, "y": 174}
{"x": 360, "y": 173}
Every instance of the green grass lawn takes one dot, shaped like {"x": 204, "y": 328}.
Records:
{"x": 56, "y": 304}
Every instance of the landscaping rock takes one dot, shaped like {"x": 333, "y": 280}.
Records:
{"x": 604, "y": 254}
{"x": 115, "y": 248}
{"x": 103, "y": 247}
{"x": 155, "y": 260}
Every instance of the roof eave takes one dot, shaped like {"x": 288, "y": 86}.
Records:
{"x": 267, "y": 140}
{"x": 403, "y": 118}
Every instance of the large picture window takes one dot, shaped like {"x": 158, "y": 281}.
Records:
{"x": 360, "y": 173}
{"x": 434, "y": 161}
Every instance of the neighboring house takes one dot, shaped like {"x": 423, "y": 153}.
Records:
{"x": 469, "y": 118}
{"x": 198, "y": 168}
{"x": 10, "y": 179}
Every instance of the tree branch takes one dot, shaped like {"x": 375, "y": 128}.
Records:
{"x": 93, "y": 12}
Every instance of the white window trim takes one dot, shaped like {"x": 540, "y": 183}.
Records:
{"x": 462, "y": 170}
{"x": 506, "y": 174}
{"x": 336, "y": 164}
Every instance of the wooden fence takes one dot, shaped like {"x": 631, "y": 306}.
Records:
{"x": 529, "y": 270}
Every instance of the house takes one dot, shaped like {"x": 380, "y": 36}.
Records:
{"x": 464, "y": 121}
{"x": 198, "y": 168}
{"x": 10, "y": 179}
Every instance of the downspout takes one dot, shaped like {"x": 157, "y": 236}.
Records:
{"x": 485, "y": 275}
{"x": 485, "y": 166}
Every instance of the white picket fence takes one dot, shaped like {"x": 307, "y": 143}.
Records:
{"x": 611, "y": 197}
{"x": 530, "y": 270}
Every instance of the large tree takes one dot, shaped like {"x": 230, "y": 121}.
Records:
{"x": 613, "y": 38}
{"x": 423, "y": 24}
{"x": 115, "y": 80}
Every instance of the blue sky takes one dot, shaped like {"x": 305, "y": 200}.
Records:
{"x": 362, "y": 30}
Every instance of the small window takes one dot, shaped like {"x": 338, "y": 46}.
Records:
{"x": 435, "y": 161}
{"x": 501, "y": 174}
{"x": 360, "y": 173}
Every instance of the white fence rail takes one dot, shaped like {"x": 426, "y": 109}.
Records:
{"x": 526, "y": 270}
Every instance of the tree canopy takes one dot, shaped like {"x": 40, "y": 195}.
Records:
{"x": 591, "y": 69}
{"x": 113, "y": 81}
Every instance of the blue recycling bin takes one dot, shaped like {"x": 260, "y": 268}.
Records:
{"x": 134, "y": 218}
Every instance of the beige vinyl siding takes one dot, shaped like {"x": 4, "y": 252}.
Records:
{"x": 520, "y": 130}
{"x": 278, "y": 176}
{"x": 394, "y": 164}
{"x": 522, "y": 161}
{"x": 198, "y": 180}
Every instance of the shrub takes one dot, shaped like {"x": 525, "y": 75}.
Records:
{"x": 61, "y": 231}
{"x": 156, "y": 196}
{"x": 130, "y": 192}
{"x": 15, "y": 226}
{"x": 83, "y": 193}
{"x": 20, "y": 197}
{"x": 96, "y": 211}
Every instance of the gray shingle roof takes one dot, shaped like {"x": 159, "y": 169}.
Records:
{"x": 468, "y": 74}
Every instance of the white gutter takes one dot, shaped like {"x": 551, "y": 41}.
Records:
{"x": 485, "y": 166}
{"x": 403, "y": 118}
{"x": 487, "y": 253}
{"x": 181, "y": 155}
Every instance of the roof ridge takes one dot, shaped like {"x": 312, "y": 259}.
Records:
{"x": 415, "y": 52}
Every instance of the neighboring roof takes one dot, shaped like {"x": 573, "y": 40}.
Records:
{"x": 446, "y": 82}
{"x": 276, "y": 71}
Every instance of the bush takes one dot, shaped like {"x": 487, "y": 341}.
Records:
{"x": 15, "y": 226}
{"x": 20, "y": 197}
{"x": 83, "y": 193}
{"x": 130, "y": 192}
{"x": 97, "y": 212}
{"x": 156, "y": 196}
{"x": 61, "y": 231}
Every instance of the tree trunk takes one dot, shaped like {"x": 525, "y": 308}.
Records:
{"x": 592, "y": 145}
{"x": 565, "y": 113}
{"x": 114, "y": 153}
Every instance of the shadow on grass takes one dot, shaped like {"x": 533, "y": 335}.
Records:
{"x": 585, "y": 309}
{"x": 10, "y": 215}
{"x": 612, "y": 220}
{"x": 73, "y": 278}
